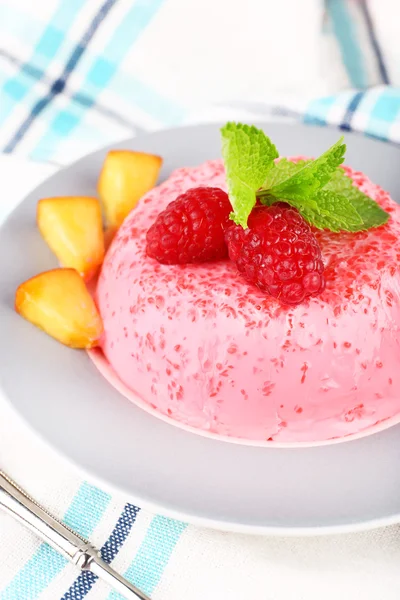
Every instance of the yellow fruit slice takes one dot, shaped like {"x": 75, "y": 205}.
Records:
{"x": 72, "y": 227}
{"x": 125, "y": 177}
{"x": 58, "y": 302}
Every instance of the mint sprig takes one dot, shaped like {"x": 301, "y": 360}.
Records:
{"x": 319, "y": 189}
{"x": 248, "y": 156}
{"x": 308, "y": 180}
{"x": 370, "y": 212}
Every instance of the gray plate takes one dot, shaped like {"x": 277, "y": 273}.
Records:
{"x": 62, "y": 396}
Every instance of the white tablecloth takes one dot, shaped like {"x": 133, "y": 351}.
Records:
{"x": 206, "y": 564}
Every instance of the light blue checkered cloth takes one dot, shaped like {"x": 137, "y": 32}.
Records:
{"x": 63, "y": 92}
{"x": 66, "y": 92}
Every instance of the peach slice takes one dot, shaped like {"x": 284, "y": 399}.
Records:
{"x": 58, "y": 302}
{"x": 125, "y": 177}
{"x": 72, "y": 227}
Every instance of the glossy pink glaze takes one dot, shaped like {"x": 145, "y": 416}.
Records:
{"x": 204, "y": 348}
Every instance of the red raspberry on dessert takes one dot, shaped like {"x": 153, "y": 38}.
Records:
{"x": 278, "y": 252}
{"x": 191, "y": 228}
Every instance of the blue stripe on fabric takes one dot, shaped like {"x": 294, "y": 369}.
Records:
{"x": 30, "y": 71}
{"x": 59, "y": 85}
{"x": 36, "y": 575}
{"x": 374, "y": 43}
{"x": 384, "y": 113}
{"x": 147, "y": 567}
{"x": 346, "y": 35}
{"x": 70, "y": 121}
{"x": 63, "y": 17}
{"x": 89, "y": 501}
{"x": 131, "y": 28}
{"x": 317, "y": 111}
{"x": 387, "y": 106}
{"x": 352, "y": 107}
{"x": 86, "y": 580}
{"x": 104, "y": 69}
{"x": 83, "y": 515}
{"x": 14, "y": 91}
{"x": 26, "y": 69}
{"x": 54, "y": 36}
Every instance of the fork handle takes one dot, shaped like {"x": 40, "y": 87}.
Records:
{"x": 77, "y": 550}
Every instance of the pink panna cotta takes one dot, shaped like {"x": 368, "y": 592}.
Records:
{"x": 206, "y": 349}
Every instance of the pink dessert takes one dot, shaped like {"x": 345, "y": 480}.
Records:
{"x": 203, "y": 347}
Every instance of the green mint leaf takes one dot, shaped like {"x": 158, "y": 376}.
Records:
{"x": 334, "y": 212}
{"x": 282, "y": 170}
{"x": 248, "y": 156}
{"x": 313, "y": 176}
{"x": 371, "y": 214}
{"x": 344, "y": 208}
{"x": 324, "y": 210}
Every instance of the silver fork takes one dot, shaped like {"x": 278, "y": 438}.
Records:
{"x": 16, "y": 502}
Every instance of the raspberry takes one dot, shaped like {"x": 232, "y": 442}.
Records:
{"x": 191, "y": 228}
{"x": 278, "y": 253}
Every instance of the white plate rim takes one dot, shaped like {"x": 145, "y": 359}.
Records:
{"x": 227, "y": 527}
